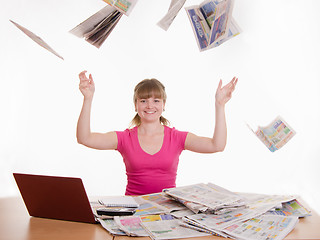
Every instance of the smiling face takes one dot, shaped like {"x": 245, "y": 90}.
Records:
{"x": 149, "y": 99}
{"x": 149, "y": 109}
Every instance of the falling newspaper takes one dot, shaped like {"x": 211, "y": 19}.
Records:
{"x": 36, "y": 38}
{"x": 212, "y": 23}
{"x": 275, "y": 135}
{"x": 124, "y": 6}
{"x": 173, "y": 11}
{"x": 98, "y": 27}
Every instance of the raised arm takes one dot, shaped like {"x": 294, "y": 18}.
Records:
{"x": 218, "y": 142}
{"x": 103, "y": 141}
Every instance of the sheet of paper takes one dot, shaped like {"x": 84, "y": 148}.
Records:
{"x": 119, "y": 201}
{"x": 37, "y": 39}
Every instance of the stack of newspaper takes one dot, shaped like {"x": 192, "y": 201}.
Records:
{"x": 206, "y": 198}
{"x": 207, "y": 209}
{"x": 258, "y": 214}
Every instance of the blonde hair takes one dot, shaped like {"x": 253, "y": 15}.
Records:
{"x": 145, "y": 89}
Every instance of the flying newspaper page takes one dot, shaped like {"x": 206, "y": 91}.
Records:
{"x": 36, "y": 38}
{"x": 212, "y": 23}
{"x": 173, "y": 11}
{"x": 98, "y": 27}
{"x": 124, "y": 6}
{"x": 275, "y": 135}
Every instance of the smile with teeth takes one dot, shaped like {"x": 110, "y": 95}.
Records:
{"x": 150, "y": 112}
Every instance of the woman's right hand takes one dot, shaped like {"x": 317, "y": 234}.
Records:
{"x": 86, "y": 85}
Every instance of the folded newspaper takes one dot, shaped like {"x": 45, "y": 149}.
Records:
{"x": 98, "y": 27}
{"x": 173, "y": 11}
{"x": 275, "y": 135}
{"x": 206, "y": 197}
{"x": 212, "y": 23}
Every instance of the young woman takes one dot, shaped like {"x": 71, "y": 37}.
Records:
{"x": 151, "y": 149}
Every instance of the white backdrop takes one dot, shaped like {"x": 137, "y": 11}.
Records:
{"x": 276, "y": 59}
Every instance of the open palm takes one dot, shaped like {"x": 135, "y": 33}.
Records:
{"x": 224, "y": 94}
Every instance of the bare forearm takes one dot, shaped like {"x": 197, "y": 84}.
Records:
{"x": 83, "y": 126}
{"x": 220, "y": 131}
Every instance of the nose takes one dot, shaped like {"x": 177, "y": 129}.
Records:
{"x": 149, "y": 104}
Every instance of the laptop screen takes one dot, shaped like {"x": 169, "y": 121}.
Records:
{"x": 54, "y": 197}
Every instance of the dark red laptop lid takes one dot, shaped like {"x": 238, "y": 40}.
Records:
{"x": 54, "y": 197}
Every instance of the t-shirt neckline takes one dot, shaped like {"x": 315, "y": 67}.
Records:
{"x": 162, "y": 146}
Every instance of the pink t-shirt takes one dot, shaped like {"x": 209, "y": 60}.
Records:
{"x": 148, "y": 173}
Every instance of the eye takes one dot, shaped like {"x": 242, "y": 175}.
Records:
{"x": 142, "y": 100}
{"x": 157, "y": 100}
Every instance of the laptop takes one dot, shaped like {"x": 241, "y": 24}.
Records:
{"x": 62, "y": 198}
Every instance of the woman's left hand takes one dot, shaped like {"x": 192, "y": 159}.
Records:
{"x": 224, "y": 94}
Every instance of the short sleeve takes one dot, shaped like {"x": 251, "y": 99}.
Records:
{"x": 125, "y": 139}
{"x": 179, "y": 137}
{"x": 120, "y": 139}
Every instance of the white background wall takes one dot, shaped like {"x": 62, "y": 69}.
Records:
{"x": 276, "y": 58}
